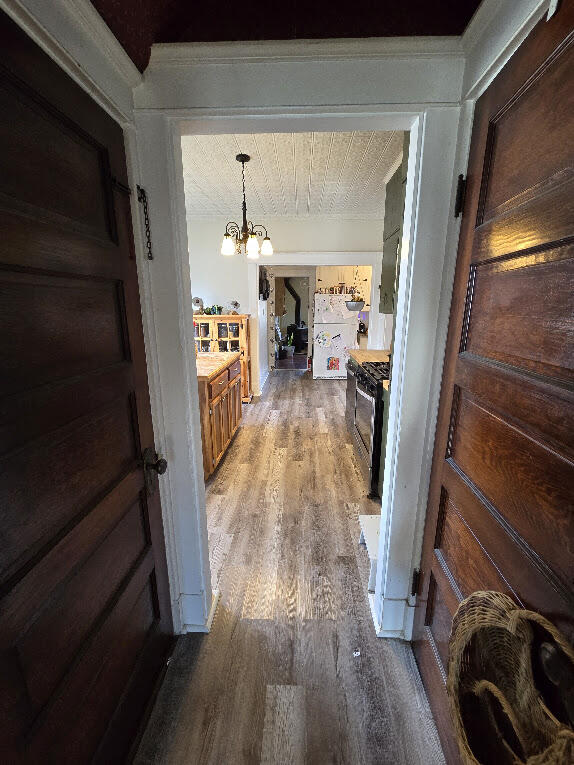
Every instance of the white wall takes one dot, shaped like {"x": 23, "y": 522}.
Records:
{"x": 218, "y": 279}
{"x": 214, "y": 278}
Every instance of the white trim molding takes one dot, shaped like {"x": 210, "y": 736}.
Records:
{"x": 74, "y": 34}
{"x": 494, "y": 33}
{"x": 183, "y": 54}
{"x": 329, "y": 73}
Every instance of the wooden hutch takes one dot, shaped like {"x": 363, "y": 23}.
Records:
{"x": 224, "y": 334}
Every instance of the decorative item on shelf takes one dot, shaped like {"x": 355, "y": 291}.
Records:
{"x": 234, "y": 307}
{"x": 245, "y": 238}
{"x": 197, "y": 303}
{"x": 356, "y": 303}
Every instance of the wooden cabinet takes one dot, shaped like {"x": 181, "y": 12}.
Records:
{"x": 220, "y": 387}
{"x": 226, "y": 334}
{"x": 393, "y": 231}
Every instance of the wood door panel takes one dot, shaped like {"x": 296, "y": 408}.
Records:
{"x": 500, "y": 509}
{"x": 40, "y": 499}
{"x": 31, "y": 414}
{"x": 537, "y": 222}
{"x": 525, "y": 312}
{"x": 440, "y": 619}
{"x": 528, "y": 119}
{"x": 79, "y": 603}
{"x": 532, "y": 581}
{"x": 22, "y": 604}
{"x": 69, "y": 158}
{"x": 69, "y": 326}
{"x": 37, "y": 244}
{"x": 529, "y": 484}
{"x": 104, "y": 670}
{"x": 541, "y": 409}
{"x": 467, "y": 561}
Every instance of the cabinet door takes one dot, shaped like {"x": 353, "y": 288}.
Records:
{"x": 235, "y": 403}
{"x": 225, "y": 424}
{"x": 238, "y": 401}
{"x": 216, "y": 429}
{"x": 389, "y": 272}
{"x": 392, "y": 233}
{"x": 245, "y": 378}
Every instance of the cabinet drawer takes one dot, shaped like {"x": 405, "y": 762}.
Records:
{"x": 235, "y": 369}
{"x": 218, "y": 385}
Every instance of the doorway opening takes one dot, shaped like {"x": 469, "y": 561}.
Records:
{"x": 321, "y": 199}
{"x": 292, "y": 320}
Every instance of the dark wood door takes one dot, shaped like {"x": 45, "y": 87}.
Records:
{"x": 84, "y": 605}
{"x": 501, "y": 502}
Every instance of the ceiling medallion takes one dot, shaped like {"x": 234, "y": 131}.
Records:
{"x": 245, "y": 239}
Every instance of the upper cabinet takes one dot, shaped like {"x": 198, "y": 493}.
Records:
{"x": 393, "y": 231}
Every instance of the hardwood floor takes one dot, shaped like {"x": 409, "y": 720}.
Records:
{"x": 292, "y": 671}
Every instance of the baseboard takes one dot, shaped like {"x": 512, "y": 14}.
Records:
{"x": 214, "y": 603}
{"x": 262, "y": 384}
{"x": 205, "y": 627}
{"x": 393, "y": 618}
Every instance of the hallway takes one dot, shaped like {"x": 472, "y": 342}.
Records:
{"x": 292, "y": 671}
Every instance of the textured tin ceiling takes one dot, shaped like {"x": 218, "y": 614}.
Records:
{"x": 290, "y": 174}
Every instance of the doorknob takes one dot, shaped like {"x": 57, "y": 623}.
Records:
{"x": 152, "y": 461}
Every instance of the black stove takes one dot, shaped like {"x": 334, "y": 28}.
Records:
{"x": 366, "y": 401}
{"x": 377, "y": 371}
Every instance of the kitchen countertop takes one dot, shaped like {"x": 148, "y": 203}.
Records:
{"x": 361, "y": 357}
{"x": 209, "y": 365}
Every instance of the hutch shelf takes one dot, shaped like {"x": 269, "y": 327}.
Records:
{"x": 226, "y": 333}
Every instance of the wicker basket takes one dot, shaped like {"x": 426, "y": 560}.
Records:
{"x": 500, "y": 713}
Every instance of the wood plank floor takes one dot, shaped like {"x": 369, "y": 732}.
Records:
{"x": 292, "y": 671}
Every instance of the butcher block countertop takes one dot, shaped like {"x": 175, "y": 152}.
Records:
{"x": 209, "y": 365}
{"x": 361, "y": 357}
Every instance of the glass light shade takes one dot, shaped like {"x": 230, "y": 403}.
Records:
{"x": 228, "y": 245}
{"x": 252, "y": 247}
{"x": 267, "y": 247}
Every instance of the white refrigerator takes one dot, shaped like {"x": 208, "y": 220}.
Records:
{"x": 334, "y": 334}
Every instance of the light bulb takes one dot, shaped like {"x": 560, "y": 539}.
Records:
{"x": 228, "y": 245}
{"x": 252, "y": 247}
{"x": 267, "y": 247}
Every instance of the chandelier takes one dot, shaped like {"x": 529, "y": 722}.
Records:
{"x": 236, "y": 239}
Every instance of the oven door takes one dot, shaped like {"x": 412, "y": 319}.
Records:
{"x": 365, "y": 403}
{"x": 351, "y": 396}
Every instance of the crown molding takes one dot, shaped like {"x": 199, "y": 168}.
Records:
{"x": 183, "y": 54}
{"x": 494, "y": 33}
{"x": 74, "y": 35}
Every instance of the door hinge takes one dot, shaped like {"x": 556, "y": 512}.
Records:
{"x": 416, "y": 582}
{"x": 460, "y": 196}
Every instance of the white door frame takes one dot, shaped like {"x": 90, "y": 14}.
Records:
{"x": 428, "y": 252}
